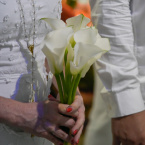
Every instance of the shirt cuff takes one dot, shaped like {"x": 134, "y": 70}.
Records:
{"x": 123, "y": 103}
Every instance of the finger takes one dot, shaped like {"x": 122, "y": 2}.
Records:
{"x": 51, "y": 98}
{"x": 60, "y": 120}
{"x": 50, "y": 129}
{"x": 67, "y": 110}
{"x": 66, "y": 121}
{"x": 79, "y": 122}
{"x": 77, "y": 136}
{"x": 71, "y": 110}
{"x": 59, "y": 133}
{"x": 78, "y": 101}
{"x": 116, "y": 141}
{"x": 51, "y": 138}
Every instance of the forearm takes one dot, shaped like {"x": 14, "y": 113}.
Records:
{"x": 119, "y": 67}
{"x": 16, "y": 113}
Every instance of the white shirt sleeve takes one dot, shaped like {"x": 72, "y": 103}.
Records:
{"x": 119, "y": 68}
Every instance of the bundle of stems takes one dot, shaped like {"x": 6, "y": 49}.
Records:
{"x": 67, "y": 83}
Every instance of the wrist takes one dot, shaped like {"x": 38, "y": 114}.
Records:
{"x": 29, "y": 116}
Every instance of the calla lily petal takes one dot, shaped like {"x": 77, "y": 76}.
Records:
{"x": 77, "y": 22}
{"x": 88, "y": 36}
{"x": 90, "y": 62}
{"x": 71, "y": 40}
{"x": 54, "y": 23}
{"x": 84, "y": 56}
{"x": 70, "y": 53}
{"x": 57, "y": 38}
{"x": 50, "y": 59}
{"x": 103, "y": 43}
{"x": 55, "y": 51}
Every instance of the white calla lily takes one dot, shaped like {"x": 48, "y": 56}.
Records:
{"x": 77, "y": 22}
{"x": 70, "y": 55}
{"x": 84, "y": 56}
{"x": 87, "y": 36}
{"x": 54, "y": 23}
{"x": 103, "y": 43}
{"x": 54, "y": 46}
{"x": 71, "y": 40}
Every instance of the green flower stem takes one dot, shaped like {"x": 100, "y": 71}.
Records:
{"x": 71, "y": 89}
{"x": 59, "y": 87}
{"x": 69, "y": 82}
{"x": 77, "y": 80}
{"x": 68, "y": 77}
{"x": 65, "y": 56}
{"x": 64, "y": 87}
{"x": 67, "y": 71}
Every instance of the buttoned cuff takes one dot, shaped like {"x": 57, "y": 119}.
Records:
{"x": 123, "y": 103}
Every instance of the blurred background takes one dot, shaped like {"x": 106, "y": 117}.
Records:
{"x": 72, "y": 8}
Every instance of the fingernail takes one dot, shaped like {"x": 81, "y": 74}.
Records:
{"x": 75, "y": 132}
{"x": 50, "y": 96}
{"x": 69, "y": 109}
{"x": 78, "y": 141}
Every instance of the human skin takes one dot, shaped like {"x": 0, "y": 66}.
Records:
{"x": 129, "y": 130}
{"x": 44, "y": 119}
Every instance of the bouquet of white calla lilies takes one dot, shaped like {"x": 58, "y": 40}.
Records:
{"x": 71, "y": 49}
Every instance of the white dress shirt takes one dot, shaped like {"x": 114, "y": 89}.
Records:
{"x": 123, "y": 68}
